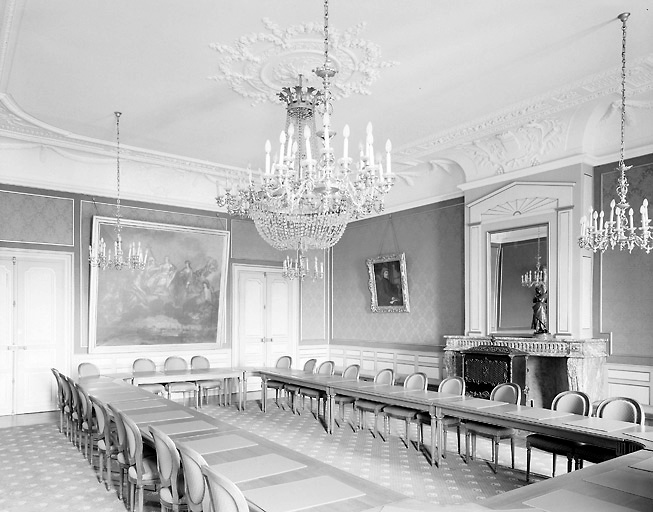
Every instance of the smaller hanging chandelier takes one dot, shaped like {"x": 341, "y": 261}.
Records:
{"x": 537, "y": 277}
{"x": 599, "y": 234}
{"x": 300, "y": 268}
{"x": 98, "y": 251}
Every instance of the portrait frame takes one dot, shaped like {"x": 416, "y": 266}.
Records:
{"x": 389, "y": 297}
{"x": 177, "y": 302}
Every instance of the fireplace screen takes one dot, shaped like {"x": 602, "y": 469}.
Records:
{"x": 486, "y": 366}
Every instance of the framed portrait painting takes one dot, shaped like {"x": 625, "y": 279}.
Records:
{"x": 178, "y": 300}
{"x": 388, "y": 283}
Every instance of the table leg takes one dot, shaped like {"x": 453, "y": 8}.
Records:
{"x": 264, "y": 392}
{"x": 436, "y": 436}
{"x": 330, "y": 406}
{"x": 244, "y": 387}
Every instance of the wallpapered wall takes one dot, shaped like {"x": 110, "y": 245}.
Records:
{"x": 432, "y": 238}
{"x": 625, "y": 288}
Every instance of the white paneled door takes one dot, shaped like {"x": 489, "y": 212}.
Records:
{"x": 35, "y": 328}
{"x": 266, "y": 317}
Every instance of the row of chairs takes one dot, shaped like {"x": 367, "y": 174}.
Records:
{"x": 576, "y": 402}
{"x": 143, "y": 364}
{"x": 180, "y": 475}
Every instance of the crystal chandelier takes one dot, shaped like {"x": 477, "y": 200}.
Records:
{"x": 597, "y": 233}
{"x": 98, "y": 251}
{"x": 299, "y": 268}
{"x": 307, "y": 196}
{"x": 537, "y": 277}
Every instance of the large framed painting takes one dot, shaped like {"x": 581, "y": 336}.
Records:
{"x": 388, "y": 283}
{"x": 177, "y": 301}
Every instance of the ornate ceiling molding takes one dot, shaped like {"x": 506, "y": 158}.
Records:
{"x": 547, "y": 106}
{"x": 18, "y": 125}
{"x": 259, "y": 64}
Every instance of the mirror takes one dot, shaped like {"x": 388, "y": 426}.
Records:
{"x": 513, "y": 254}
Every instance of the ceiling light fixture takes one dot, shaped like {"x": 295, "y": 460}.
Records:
{"x": 98, "y": 251}
{"x": 599, "y": 234}
{"x": 306, "y": 196}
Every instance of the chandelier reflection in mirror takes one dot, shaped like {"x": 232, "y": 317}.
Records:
{"x": 307, "y": 196}
{"x": 98, "y": 251}
{"x": 539, "y": 275}
{"x": 599, "y": 234}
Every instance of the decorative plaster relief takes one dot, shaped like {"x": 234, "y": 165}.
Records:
{"x": 521, "y": 206}
{"x": 516, "y": 149}
{"x": 258, "y": 65}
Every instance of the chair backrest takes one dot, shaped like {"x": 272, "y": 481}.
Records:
{"x": 351, "y": 372}
{"x": 65, "y": 388}
{"x": 121, "y": 430}
{"x": 621, "y": 408}
{"x": 575, "y": 402}
{"x": 168, "y": 462}
{"x": 225, "y": 495}
{"x": 143, "y": 364}
{"x": 452, "y": 385}
{"x": 385, "y": 376}
{"x": 508, "y": 392}
{"x": 417, "y": 380}
{"x": 88, "y": 370}
{"x": 326, "y": 368}
{"x": 57, "y": 378}
{"x": 191, "y": 462}
{"x": 74, "y": 396}
{"x": 85, "y": 407}
{"x": 199, "y": 363}
{"x": 175, "y": 363}
{"x": 284, "y": 362}
{"x": 309, "y": 366}
{"x": 134, "y": 446}
{"x": 102, "y": 418}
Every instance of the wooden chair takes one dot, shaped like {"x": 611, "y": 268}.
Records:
{"x": 510, "y": 393}
{"x": 351, "y": 372}
{"x": 204, "y": 386}
{"x": 142, "y": 471}
{"x": 326, "y": 368}
{"x": 88, "y": 370}
{"x": 451, "y": 385}
{"x": 144, "y": 364}
{"x": 171, "y": 492}
{"x": 618, "y": 408}
{"x": 179, "y": 363}
{"x": 87, "y": 423}
{"x": 292, "y": 389}
{"x": 278, "y": 386}
{"x": 104, "y": 441}
{"x": 224, "y": 494}
{"x": 197, "y": 498}
{"x": 121, "y": 448}
{"x": 361, "y": 406}
{"x": 575, "y": 402}
{"x": 417, "y": 380}
{"x": 75, "y": 414}
{"x": 61, "y": 402}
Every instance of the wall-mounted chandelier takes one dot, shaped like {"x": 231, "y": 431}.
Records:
{"x": 598, "y": 233}
{"x": 300, "y": 268}
{"x": 307, "y": 196}
{"x": 116, "y": 260}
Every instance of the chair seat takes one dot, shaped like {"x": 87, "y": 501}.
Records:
{"x": 153, "y": 388}
{"x": 312, "y": 393}
{"x": 594, "y": 454}
{"x": 447, "y": 421}
{"x": 291, "y": 388}
{"x": 275, "y": 384}
{"x": 400, "y": 412}
{"x": 369, "y": 405}
{"x": 489, "y": 430}
{"x": 180, "y": 386}
{"x": 165, "y": 494}
{"x": 210, "y": 384}
{"x": 551, "y": 444}
{"x": 150, "y": 471}
{"x": 344, "y": 399}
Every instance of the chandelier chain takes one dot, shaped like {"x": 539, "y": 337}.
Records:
{"x": 118, "y": 226}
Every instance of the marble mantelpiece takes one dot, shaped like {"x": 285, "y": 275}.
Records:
{"x": 553, "y": 365}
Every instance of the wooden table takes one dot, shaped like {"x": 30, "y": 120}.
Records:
{"x": 613, "y": 485}
{"x": 267, "y": 473}
{"x": 191, "y": 375}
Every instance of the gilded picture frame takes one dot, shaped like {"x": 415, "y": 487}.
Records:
{"x": 178, "y": 301}
{"x": 388, "y": 283}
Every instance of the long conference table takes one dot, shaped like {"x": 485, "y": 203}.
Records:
{"x": 622, "y": 436}
{"x": 273, "y": 478}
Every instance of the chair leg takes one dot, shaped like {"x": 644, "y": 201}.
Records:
{"x": 569, "y": 459}
{"x": 495, "y": 455}
{"x": 512, "y": 452}
{"x": 553, "y": 470}
{"x": 528, "y": 463}
{"x": 467, "y": 441}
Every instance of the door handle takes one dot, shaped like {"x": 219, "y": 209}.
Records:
{"x": 262, "y": 340}
{"x": 271, "y": 340}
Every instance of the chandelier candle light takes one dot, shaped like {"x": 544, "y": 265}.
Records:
{"x": 539, "y": 275}
{"x": 306, "y": 196}
{"x": 597, "y": 234}
{"x": 98, "y": 251}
